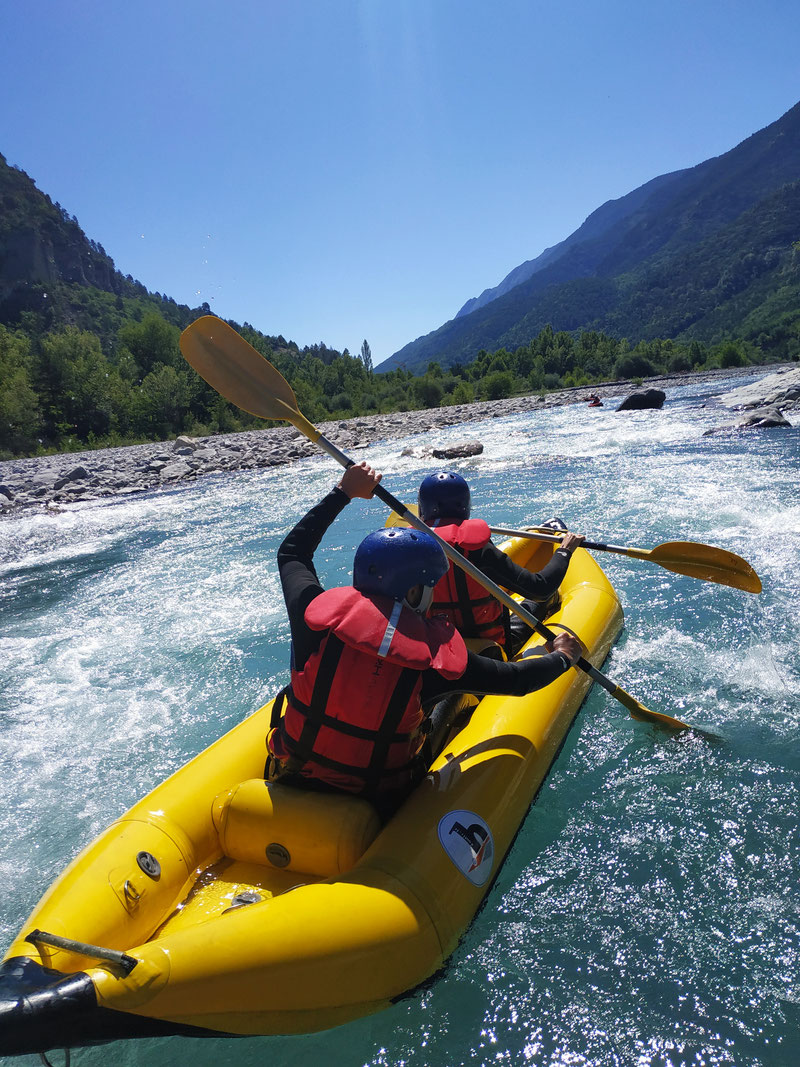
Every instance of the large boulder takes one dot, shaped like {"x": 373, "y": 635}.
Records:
{"x": 45, "y": 479}
{"x": 646, "y": 398}
{"x": 459, "y": 451}
{"x": 762, "y": 418}
{"x": 781, "y": 388}
{"x": 77, "y": 474}
{"x": 174, "y": 471}
{"x": 183, "y": 442}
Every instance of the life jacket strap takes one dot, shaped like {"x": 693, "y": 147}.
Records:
{"x": 386, "y": 732}
{"x": 362, "y": 733}
{"x": 277, "y": 708}
{"x": 466, "y": 605}
{"x": 314, "y": 711}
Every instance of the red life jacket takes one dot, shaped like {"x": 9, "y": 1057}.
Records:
{"x": 353, "y": 714}
{"x": 457, "y": 596}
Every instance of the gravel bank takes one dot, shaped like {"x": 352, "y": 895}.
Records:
{"x": 50, "y": 482}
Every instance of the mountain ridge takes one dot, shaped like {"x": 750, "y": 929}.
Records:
{"x": 658, "y": 220}
{"x": 595, "y": 224}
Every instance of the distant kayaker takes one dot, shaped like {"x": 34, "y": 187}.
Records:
{"x": 445, "y": 504}
{"x": 367, "y": 658}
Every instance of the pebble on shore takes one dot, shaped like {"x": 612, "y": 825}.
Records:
{"x": 50, "y": 482}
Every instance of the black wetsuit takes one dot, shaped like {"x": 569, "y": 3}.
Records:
{"x": 504, "y": 571}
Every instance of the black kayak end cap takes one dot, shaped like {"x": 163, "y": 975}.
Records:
{"x": 43, "y": 1009}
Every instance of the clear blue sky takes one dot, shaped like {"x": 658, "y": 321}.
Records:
{"x": 334, "y": 170}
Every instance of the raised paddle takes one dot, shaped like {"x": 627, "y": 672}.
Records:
{"x": 242, "y": 375}
{"x": 692, "y": 558}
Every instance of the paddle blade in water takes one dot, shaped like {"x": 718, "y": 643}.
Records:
{"x": 707, "y": 563}
{"x": 237, "y": 371}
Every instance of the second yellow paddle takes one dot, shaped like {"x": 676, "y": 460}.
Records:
{"x": 692, "y": 558}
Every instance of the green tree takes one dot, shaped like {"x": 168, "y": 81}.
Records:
{"x": 366, "y": 356}
{"x": 731, "y": 355}
{"x": 633, "y": 365}
{"x": 80, "y": 391}
{"x": 150, "y": 342}
{"x": 428, "y": 392}
{"x": 499, "y": 385}
{"x": 20, "y": 417}
{"x": 679, "y": 363}
{"x": 463, "y": 393}
{"x": 161, "y": 403}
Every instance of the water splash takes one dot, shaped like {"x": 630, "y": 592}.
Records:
{"x": 647, "y": 913}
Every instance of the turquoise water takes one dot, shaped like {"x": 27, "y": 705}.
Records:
{"x": 648, "y": 913}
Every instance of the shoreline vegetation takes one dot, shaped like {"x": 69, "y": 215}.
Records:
{"x": 68, "y": 389}
{"x": 51, "y": 483}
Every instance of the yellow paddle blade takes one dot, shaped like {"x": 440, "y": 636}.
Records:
{"x": 238, "y": 372}
{"x": 707, "y": 563}
{"x": 644, "y": 714}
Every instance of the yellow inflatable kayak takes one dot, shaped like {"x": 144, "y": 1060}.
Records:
{"x": 221, "y": 905}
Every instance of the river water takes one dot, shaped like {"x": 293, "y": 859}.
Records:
{"x": 648, "y": 913}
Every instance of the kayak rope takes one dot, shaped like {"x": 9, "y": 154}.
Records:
{"x": 47, "y": 1062}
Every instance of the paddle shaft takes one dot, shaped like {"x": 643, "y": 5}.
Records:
{"x": 692, "y": 558}
{"x": 452, "y": 554}
{"x": 637, "y": 709}
{"x": 598, "y": 546}
{"x": 242, "y": 375}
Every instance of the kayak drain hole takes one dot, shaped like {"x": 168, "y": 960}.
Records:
{"x": 241, "y": 900}
{"x": 277, "y": 855}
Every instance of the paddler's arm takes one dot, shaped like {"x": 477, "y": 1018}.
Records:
{"x": 296, "y": 555}
{"x": 484, "y": 675}
{"x": 539, "y": 587}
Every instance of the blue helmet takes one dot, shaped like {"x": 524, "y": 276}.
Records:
{"x": 444, "y": 496}
{"x": 389, "y": 562}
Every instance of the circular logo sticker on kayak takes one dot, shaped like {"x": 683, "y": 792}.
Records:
{"x": 467, "y": 840}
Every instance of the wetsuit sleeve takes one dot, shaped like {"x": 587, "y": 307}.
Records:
{"x": 484, "y": 675}
{"x": 503, "y": 570}
{"x": 298, "y": 576}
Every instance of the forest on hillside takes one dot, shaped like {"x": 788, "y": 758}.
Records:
{"x": 70, "y": 388}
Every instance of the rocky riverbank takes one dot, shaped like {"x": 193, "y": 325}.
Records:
{"x": 53, "y": 482}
